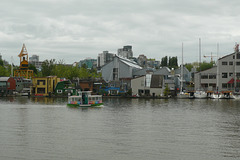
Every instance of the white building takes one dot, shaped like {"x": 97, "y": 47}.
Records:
{"x": 225, "y": 76}
{"x": 104, "y": 58}
{"x": 125, "y": 52}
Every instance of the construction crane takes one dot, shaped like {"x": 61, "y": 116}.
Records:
{"x": 205, "y": 56}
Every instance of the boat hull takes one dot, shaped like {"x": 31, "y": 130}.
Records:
{"x": 200, "y": 95}
{"x": 84, "y": 105}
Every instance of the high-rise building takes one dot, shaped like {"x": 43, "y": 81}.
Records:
{"x": 35, "y": 61}
{"x": 125, "y": 52}
{"x": 104, "y": 58}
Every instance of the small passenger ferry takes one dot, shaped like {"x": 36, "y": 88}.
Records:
{"x": 85, "y": 99}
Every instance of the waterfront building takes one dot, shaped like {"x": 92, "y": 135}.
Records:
{"x": 148, "y": 85}
{"x": 125, "y": 52}
{"x": 104, "y": 58}
{"x": 44, "y": 86}
{"x": 119, "y": 68}
{"x": 169, "y": 78}
{"x": 23, "y": 86}
{"x": 120, "y": 71}
{"x": 65, "y": 88}
{"x": 7, "y": 86}
{"x": 225, "y": 76}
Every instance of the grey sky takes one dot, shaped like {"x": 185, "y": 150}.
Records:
{"x": 76, "y": 29}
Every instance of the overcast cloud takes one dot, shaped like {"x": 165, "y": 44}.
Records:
{"x": 73, "y": 30}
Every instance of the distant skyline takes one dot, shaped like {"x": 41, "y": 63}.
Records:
{"x": 72, "y": 30}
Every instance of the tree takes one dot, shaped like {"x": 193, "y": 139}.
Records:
{"x": 48, "y": 67}
{"x": 166, "y": 91}
{"x": 173, "y": 62}
{"x": 1, "y": 62}
{"x": 3, "y": 71}
{"x": 189, "y": 66}
{"x": 205, "y": 66}
{"x": 32, "y": 67}
{"x": 164, "y": 61}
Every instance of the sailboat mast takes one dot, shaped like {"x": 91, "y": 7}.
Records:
{"x": 199, "y": 63}
{"x": 181, "y": 87}
{"x": 217, "y": 67}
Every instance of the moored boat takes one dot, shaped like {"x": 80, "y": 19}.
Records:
{"x": 199, "y": 94}
{"x": 85, "y": 99}
{"x": 223, "y": 95}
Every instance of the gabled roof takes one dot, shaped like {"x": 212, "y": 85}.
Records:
{"x": 143, "y": 71}
{"x": 163, "y": 71}
{"x": 178, "y": 70}
{"x": 129, "y": 62}
{"x": 227, "y": 56}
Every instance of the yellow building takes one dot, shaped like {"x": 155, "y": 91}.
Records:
{"x": 44, "y": 86}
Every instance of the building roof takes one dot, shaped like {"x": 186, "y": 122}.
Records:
{"x": 163, "y": 71}
{"x": 4, "y": 79}
{"x": 129, "y": 62}
{"x": 156, "y": 81}
{"x": 142, "y": 71}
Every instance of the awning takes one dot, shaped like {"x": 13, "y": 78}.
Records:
{"x": 232, "y": 81}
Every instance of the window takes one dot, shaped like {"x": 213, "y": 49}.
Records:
{"x": 238, "y": 74}
{"x": 148, "y": 80}
{"x": 230, "y": 74}
{"x": 224, "y": 85}
{"x": 147, "y": 92}
{"x": 142, "y": 83}
{"x": 204, "y": 76}
{"x": 115, "y": 73}
{"x": 40, "y": 90}
{"x": 224, "y": 63}
{"x": 238, "y": 63}
{"x": 140, "y": 92}
{"x": 59, "y": 91}
{"x": 40, "y": 81}
{"x": 224, "y": 75}
{"x": 238, "y": 56}
{"x": 212, "y": 76}
{"x": 204, "y": 85}
{"x": 230, "y": 63}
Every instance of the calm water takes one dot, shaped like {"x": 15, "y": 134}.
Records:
{"x": 124, "y": 129}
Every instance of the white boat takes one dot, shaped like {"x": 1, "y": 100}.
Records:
{"x": 183, "y": 95}
{"x": 85, "y": 99}
{"x": 223, "y": 95}
{"x": 217, "y": 96}
{"x": 199, "y": 94}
